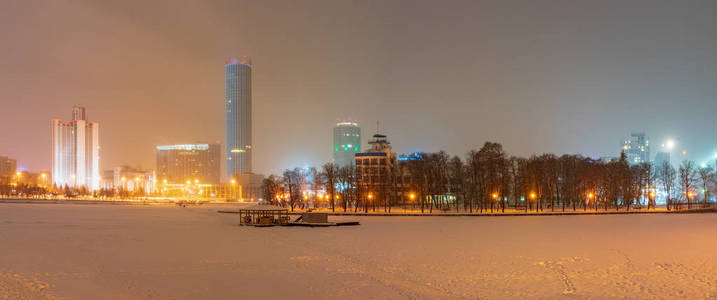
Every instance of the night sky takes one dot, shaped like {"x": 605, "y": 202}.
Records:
{"x": 537, "y": 76}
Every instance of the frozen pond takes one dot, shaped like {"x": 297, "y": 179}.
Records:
{"x": 50, "y": 251}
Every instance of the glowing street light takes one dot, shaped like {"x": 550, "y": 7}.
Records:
{"x": 370, "y": 196}
{"x": 495, "y": 196}
{"x": 412, "y": 196}
{"x": 532, "y": 195}
{"x": 590, "y": 196}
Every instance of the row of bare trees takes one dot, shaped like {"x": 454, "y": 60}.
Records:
{"x": 488, "y": 180}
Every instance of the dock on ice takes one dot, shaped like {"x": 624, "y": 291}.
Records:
{"x": 270, "y": 215}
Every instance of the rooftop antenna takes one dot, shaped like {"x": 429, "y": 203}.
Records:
{"x": 377, "y": 127}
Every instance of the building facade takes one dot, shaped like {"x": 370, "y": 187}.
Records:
{"x": 75, "y": 151}
{"x": 238, "y": 109}
{"x": 189, "y": 162}
{"x": 129, "y": 179}
{"x": 347, "y": 142}
{"x": 8, "y": 166}
{"x": 637, "y": 148}
{"x": 373, "y": 168}
{"x": 661, "y": 158}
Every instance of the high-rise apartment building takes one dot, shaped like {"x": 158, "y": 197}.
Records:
{"x": 637, "y": 148}
{"x": 347, "y": 142}
{"x": 75, "y": 151}
{"x": 238, "y": 108}
{"x": 189, "y": 162}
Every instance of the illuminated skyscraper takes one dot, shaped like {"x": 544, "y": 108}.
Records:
{"x": 637, "y": 148}
{"x": 238, "y": 108}
{"x": 75, "y": 151}
{"x": 347, "y": 142}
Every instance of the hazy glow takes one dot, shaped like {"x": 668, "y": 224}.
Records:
{"x": 670, "y": 144}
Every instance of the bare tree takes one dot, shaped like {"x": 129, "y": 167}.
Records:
{"x": 707, "y": 176}
{"x": 667, "y": 175}
{"x": 688, "y": 177}
{"x": 329, "y": 171}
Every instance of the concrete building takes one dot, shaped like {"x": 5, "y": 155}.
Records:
{"x": 347, "y": 142}
{"x": 75, "y": 151}
{"x": 662, "y": 157}
{"x": 129, "y": 179}
{"x": 238, "y": 109}
{"x": 8, "y": 166}
{"x": 248, "y": 185}
{"x": 373, "y": 167}
{"x": 189, "y": 162}
{"x": 637, "y": 148}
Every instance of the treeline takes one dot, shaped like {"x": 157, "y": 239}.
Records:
{"x": 489, "y": 180}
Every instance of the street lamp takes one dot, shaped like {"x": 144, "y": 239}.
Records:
{"x": 412, "y": 196}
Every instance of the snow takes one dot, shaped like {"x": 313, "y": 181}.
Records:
{"x": 51, "y": 251}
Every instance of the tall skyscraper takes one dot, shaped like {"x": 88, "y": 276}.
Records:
{"x": 347, "y": 142}
{"x": 75, "y": 151}
{"x": 179, "y": 163}
{"x": 238, "y": 107}
{"x": 637, "y": 148}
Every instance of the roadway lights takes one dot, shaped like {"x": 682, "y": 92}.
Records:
{"x": 495, "y": 196}
{"x": 532, "y": 195}
{"x": 590, "y": 196}
{"x": 412, "y": 196}
{"x": 370, "y": 196}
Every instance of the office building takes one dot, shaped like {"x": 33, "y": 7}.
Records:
{"x": 661, "y": 158}
{"x": 238, "y": 109}
{"x": 129, "y": 179}
{"x": 637, "y": 148}
{"x": 75, "y": 151}
{"x": 373, "y": 168}
{"x": 347, "y": 142}
{"x": 189, "y": 162}
{"x": 8, "y": 166}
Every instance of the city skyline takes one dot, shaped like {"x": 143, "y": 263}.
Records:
{"x": 475, "y": 94}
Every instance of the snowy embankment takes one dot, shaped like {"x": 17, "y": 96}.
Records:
{"x": 164, "y": 252}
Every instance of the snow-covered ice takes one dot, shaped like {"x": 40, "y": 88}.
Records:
{"x": 147, "y": 252}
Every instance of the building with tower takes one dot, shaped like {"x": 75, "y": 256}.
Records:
{"x": 347, "y": 142}
{"x": 373, "y": 168}
{"x": 75, "y": 151}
